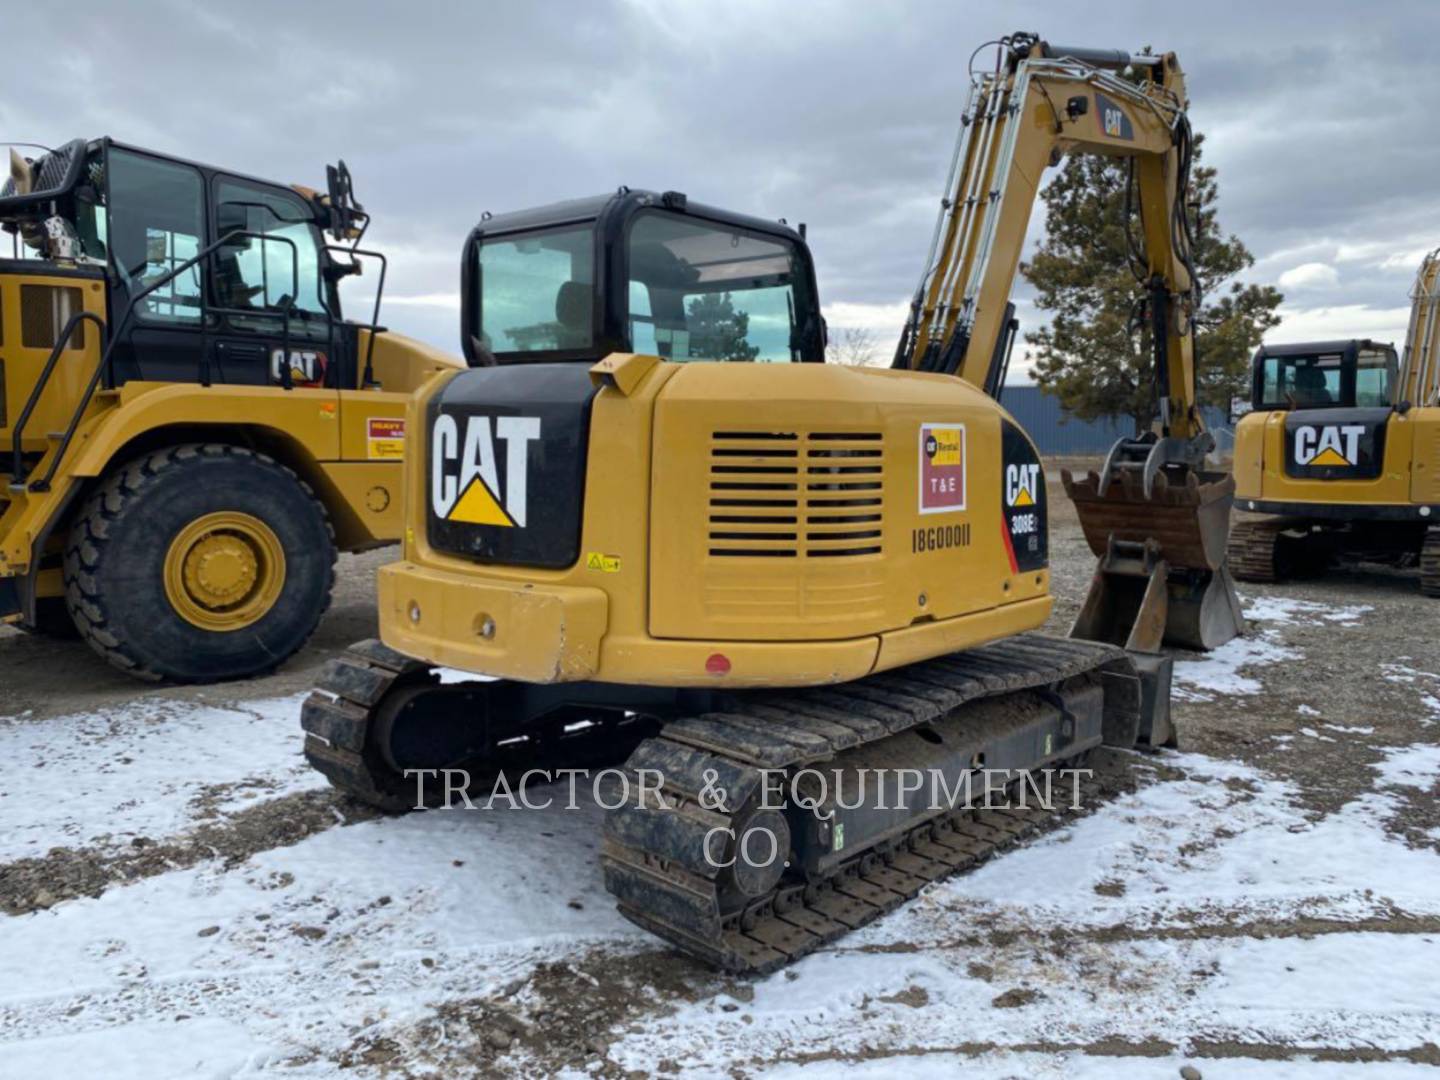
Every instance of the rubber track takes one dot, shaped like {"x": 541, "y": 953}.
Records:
{"x": 669, "y": 887}
{"x": 1430, "y": 564}
{"x": 88, "y": 536}
{"x": 338, "y": 716}
{"x": 1251, "y": 551}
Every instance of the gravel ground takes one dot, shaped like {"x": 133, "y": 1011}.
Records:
{"x": 1135, "y": 944}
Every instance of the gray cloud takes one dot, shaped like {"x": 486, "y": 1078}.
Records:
{"x": 1320, "y": 117}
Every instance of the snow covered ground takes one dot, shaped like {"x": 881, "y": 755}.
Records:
{"x": 142, "y": 770}
{"x": 1215, "y": 918}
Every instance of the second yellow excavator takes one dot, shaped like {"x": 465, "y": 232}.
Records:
{"x": 658, "y": 522}
{"x": 1339, "y": 456}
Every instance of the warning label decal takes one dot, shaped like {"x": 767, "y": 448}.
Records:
{"x": 385, "y": 439}
{"x": 606, "y": 564}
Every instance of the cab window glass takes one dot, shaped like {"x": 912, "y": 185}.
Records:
{"x": 1373, "y": 374}
{"x": 278, "y": 261}
{"x": 1302, "y": 381}
{"x": 91, "y": 225}
{"x": 155, "y": 221}
{"x": 537, "y": 292}
{"x": 713, "y": 292}
{"x": 1322, "y": 379}
{"x": 642, "y": 326}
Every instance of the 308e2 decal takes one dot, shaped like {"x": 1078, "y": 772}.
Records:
{"x": 1023, "y": 524}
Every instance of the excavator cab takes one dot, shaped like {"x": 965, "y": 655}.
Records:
{"x": 1349, "y": 374}
{"x": 637, "y": 272}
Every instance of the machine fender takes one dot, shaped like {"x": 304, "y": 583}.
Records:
{"x": 144, "y": 410}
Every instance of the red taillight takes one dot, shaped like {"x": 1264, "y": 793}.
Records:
{"x": 718, "y": 664}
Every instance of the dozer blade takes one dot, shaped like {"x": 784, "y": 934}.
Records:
{"x": 1161, "y": 578}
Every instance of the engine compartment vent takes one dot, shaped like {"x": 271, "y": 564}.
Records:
{"x": 44, "y": 311}
{"x": 796, "y": 494}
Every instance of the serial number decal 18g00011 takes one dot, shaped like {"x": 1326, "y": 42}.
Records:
{"x": 939, "y": 537}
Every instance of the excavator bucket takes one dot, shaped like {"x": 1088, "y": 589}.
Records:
{"x": 1161, "y": 577}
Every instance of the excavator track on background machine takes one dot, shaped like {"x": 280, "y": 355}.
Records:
{"x": 654, "y": 523}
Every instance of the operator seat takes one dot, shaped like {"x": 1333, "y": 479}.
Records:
{"x": 574, "y": 311}
{"x": 1310, "y": 388}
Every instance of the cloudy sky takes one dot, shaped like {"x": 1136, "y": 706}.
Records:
{"x": 1320, "y": 116}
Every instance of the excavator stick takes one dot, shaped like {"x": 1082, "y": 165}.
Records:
{"x": 1161, "y": 578}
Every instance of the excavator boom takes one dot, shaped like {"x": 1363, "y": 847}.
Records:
{"x": 1155, "y": 517}
{"x": 1420, "y": 370}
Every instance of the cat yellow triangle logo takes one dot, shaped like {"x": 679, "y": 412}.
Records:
{"x": 1024, "y": 499}
{"x": 478, "y": 506}
{"x": 1328, "y": 456}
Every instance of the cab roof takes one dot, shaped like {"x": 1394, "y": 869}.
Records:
{"x": 1308, "y": 348}
{"x": 620, "y": 204}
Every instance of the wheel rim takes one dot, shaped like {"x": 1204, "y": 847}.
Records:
{"x": 224, "y": 571}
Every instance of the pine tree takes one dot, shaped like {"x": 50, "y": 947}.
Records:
{"x": 718, "y": 331}
{"x": 1088, "y": 356}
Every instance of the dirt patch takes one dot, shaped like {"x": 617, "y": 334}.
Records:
{"x": 912, "y": 997}
{"x": 560, "y": 1015}
{"x": 1016, "y": 997}
{"x": 63, "y": 873}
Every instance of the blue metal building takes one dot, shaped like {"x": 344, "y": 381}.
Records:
{"x": 1055, "y": 433}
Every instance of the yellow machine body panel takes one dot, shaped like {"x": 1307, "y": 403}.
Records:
{"x": 819, "y": 529}
{"x": 34, "y": 308}
{"x": 1264, "y": 462}
{"x": 1249, "y": 458}
{"x": 869, "y": 569}
{"x": 1425, "y": 434}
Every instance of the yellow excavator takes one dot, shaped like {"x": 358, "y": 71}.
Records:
{"x": 190, "y": 428}
{"x": 657, "y": 523}
{"x": 1339, "y": 457}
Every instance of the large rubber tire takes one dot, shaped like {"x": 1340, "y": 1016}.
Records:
{"x": 115, "y": 563}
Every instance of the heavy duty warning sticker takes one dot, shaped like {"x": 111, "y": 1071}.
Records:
{"x": 606, "y": 564}
{"x": 942, "y": 468}
{"x": 386, "y": 439}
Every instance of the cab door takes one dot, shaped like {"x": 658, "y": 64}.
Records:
{"x": 268, "y": 294}
{"x": 154, "y": 224}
